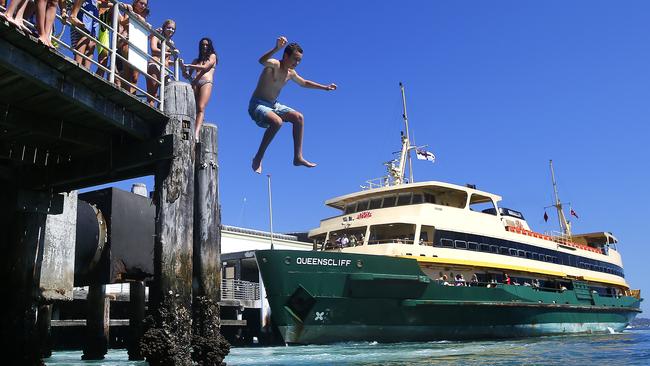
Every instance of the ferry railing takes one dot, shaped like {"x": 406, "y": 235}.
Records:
{"x": 116, "y": 40}
{"x": 239, "y": 290}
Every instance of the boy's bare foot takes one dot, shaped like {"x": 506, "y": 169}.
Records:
{"x": 303, "y": 162}
{"x": 76, "y": 22}
{"x": 257, "y": 165}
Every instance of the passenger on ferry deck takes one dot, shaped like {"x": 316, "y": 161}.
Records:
{"x": 444, "y": 281}
{"x": 507, "y": 279}
{"x": 474, "y": 280}
{"x": 460, "y": 280}
{"x": 536, "y": 284}
{"x": 45, "y": 14}
{"x": 353, "y": 240}
{"x": 345, "y": 241}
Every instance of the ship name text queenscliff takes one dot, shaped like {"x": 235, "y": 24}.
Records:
{"x": 324, "y": 262}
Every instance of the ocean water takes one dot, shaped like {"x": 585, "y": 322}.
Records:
{"x": 631, "y": 347}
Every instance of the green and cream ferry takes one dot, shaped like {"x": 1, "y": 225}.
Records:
{"x": 423, "y": 261}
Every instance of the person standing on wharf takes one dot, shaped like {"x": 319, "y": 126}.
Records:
{"x": 264, "y": 108}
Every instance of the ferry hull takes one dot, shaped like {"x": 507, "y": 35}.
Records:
{"x": 327, "y": 297}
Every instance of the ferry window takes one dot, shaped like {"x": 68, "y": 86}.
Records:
{"x": 549, "y": 258}
{"x": 484, "y": 247}
{"x": 350, "y": 207}
{"x": 482, "y": 204}
{"x": 494, "y": 249}
{"x": 472, "y": 245}
{"x": 398, "y": 233}
{"x": 512, "y": 252}
{"x": 529, "y": 255}
{"x": 403, "y": 199}
{"x": 535, "y": 256}
{"x": 363, "y": 205}
{"x": 503, "y": 250}
{"x": 447, "y": 243}
{"x": 461, "y": 244}
{"x": 389, "y": 201}
{"x": 426, "y": 235}
{"x": 429, "y": 198}
{"x": 452, "y": 198}
{"x": 521, "y": 253}
{"x": 417, "y": 198}
{"x": 375, "y": 203}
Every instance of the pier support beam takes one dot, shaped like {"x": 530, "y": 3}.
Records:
{"x": 168, "y": 337}
{"x": 97, "y": 323}
{"x": 136, "y": 319}
{"x": 208, "y": 345}
{"x": 44, "y": 326}
{"x": 22, "y": 234}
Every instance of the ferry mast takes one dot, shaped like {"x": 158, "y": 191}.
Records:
{"x": 406, "y": 144}
{"x": 564, "y": 223}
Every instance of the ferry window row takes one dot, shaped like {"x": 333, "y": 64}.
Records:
{"x": 451, "y": 198}
{"x": 504, "y": 247}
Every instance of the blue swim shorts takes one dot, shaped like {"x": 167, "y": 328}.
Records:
{"x": 258, "y": 108}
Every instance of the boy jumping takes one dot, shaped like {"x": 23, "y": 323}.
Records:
{"x": 264, "y": 108}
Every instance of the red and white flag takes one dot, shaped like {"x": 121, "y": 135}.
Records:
{"x": 422, "y": 154}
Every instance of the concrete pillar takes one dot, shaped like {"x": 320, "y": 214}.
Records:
{"x": 209, "y": 347}
{"x": 136, "y": 319}
{"x": 98, "y": 308}
{"x": 168, "y": 339}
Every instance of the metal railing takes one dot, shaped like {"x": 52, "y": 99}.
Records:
{"x": 239, "y": 290}
{"x": 61, "y": 28}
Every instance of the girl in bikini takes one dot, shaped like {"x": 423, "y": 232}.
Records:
{"x": 204, "y": 67}
{"x": 153, "y": 68}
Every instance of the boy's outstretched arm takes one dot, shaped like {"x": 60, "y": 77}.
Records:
{"x": 266, "y": 59}
{"x": 310, "y": 84}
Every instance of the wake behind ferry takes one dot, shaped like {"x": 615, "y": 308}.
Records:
{"x": 407, "y": 261}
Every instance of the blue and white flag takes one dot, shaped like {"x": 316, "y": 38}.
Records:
{"x": 422, "y": 154}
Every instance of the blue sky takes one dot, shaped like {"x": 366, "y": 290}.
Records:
{"x": 495, "y": 88}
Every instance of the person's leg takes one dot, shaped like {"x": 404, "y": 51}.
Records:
{"x": 152, "y": 84}
{"x": 73, "y": 17}
{"x": 298, "y": 122}
{"x": 90, "y": 52}
{"x": 102, "y": 59}
{"x": 132, "y": 77}
{"x": 275, "y": 122}
{"x": 204, "y": 93}
{"x": 12, "y": 9}
{"x": 80, "y": 47}
{"x": 45, "y": 14}
{"x": 41, "y": 6}
{"x": 19, "y": 18}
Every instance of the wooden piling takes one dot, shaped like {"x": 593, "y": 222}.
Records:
{"x": 44, "y": 326}
{"x": 26, "y": 213}
{"x": 98, "y": 308}
{"x": 167, "y": 339}
{"x": 136, "y": 319}
{"x": 209, "y": 347}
